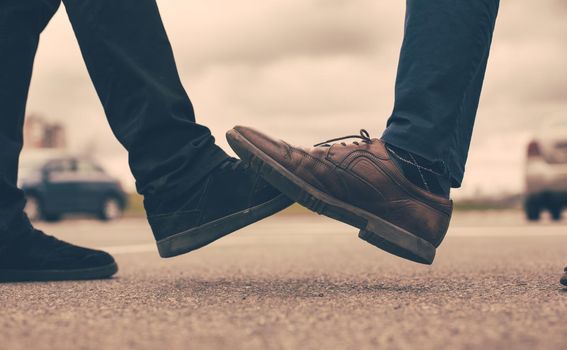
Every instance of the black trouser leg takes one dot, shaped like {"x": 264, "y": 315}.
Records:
{"x": 21, "y": 22}
{"x": 131, "y": 64}
{"x": 440, "y": 75}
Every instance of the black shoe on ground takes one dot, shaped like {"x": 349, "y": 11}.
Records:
{"x": 564, "y": 278}
{"x": 231, "y": 197}
{"x": 34, "y": 256}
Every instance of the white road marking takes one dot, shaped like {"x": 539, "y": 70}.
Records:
{"x": 308, "y": 234}
{"x": 513, "y": 231}
{"x": 130, "y": 249}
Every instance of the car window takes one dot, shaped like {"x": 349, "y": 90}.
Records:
{"x": 86, "y": 167}
{"x": 60, "y": 166}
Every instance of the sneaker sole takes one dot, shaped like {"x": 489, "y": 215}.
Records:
{"x": 373, "y": 229}
{"x": 95, "y": 273}
{"x": 198, "y": 237}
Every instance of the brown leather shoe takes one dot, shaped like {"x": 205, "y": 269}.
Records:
{"x": 357, "y": 184}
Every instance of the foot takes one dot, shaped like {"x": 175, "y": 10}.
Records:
{"x": 564, "y": 278}
{"x": 34, "y": 256}
{"x": 356, "y": 183}
{"x": 231, "y": 197}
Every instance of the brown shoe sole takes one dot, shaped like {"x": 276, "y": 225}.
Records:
{"x": 373, "y": 229}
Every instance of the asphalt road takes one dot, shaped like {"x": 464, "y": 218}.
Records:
{"x": 303, "y": 282}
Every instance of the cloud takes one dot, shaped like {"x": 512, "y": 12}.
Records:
{"x": 306, "y": 70}
{"x": 253, "y": 33}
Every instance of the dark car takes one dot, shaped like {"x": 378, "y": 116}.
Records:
{"x": 57, "y": 184}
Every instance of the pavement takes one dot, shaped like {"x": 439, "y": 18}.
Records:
{"x": 303, "y": 282}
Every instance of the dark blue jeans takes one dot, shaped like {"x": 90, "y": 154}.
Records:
{"x": 131, "y": 64}
{"x": 440, "y": 75}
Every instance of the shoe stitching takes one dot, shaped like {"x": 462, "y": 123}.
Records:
{"x": 288, "y": 149}
{"x": 175, "y": 213}
{"x": 424, "y": 201}
{"x": 345, "y": 163}
{"x": 368, "y": 154}
{"x": 307, "y": 155}
{"x": 427, "y": 201}
{"x": 202, "y": 199}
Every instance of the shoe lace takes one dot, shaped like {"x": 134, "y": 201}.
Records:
{"x": 234, "y": 164}
{"x": 364, "y": 136}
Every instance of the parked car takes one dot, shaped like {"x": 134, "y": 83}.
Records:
{"x": 546, "y": 171}
{"x": 56, "y": 184}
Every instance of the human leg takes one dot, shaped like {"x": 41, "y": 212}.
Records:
{"x": 383, "y": 187}
{"x": 27, "y": 254}
{"x": 193, "y": 192}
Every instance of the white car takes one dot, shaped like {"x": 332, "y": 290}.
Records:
{"x": 546, "y": 170}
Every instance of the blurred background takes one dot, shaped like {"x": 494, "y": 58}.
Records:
{"x": 303, "y": 281}
{"x": 267, "y": 64}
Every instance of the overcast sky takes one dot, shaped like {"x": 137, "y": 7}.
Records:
{"x": 309, "y": 70}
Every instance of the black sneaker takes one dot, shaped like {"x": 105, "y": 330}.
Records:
{"x": 231, "y": 197}
{"x": 564, "y": 278}
{"x": 35, "y": 256}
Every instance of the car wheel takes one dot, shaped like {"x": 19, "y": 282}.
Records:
{"x": 555, "y": 213}
{"x": 533, "y": 210}
{"x": 111, "y": 209}
{"x": 33, "y": 208}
